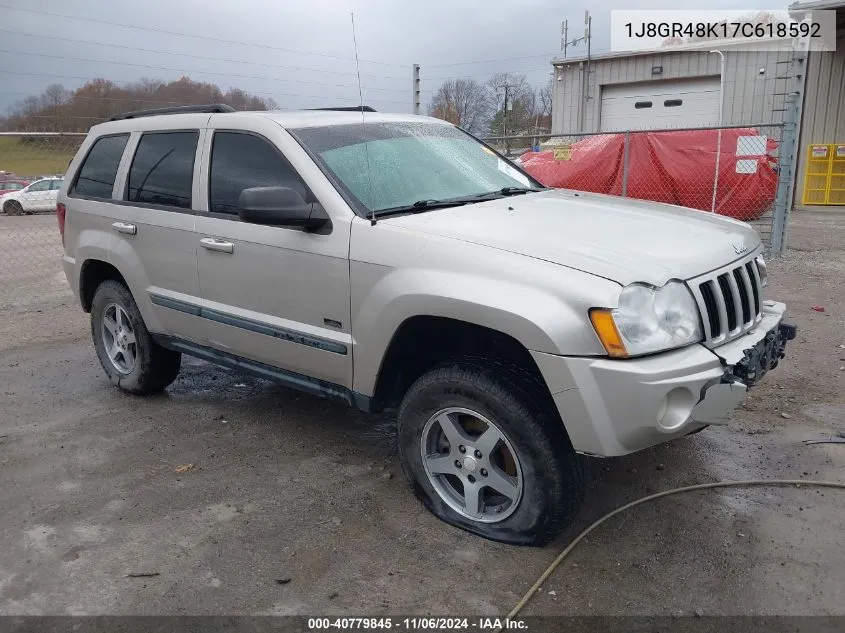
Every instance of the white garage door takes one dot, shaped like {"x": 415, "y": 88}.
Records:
{"x": 663, "y": 104}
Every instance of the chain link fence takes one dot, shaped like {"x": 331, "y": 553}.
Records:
{"x": 673, "y": 166}
{"x": 31, "y": 168}
{"x": 732, "y": 171}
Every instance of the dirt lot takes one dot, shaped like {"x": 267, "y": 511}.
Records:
{"x": 289, "y": 486}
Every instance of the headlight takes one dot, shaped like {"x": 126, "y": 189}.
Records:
{"x": 762, "y": 270}
{"x": 648, "y": 320}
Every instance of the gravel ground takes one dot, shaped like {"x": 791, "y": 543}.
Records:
{"x": 286, "y": 487}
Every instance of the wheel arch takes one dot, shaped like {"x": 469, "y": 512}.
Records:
{"x": 422, "y": 342}
{"x": 92, "y": 273}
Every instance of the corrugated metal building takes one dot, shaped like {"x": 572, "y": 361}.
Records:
{"x": 641, "y": 90}
{"x": 681, "y": 86}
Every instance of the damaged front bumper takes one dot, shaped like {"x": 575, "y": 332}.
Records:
{"x": 720, "y": 397}
{"x": 614, "y": 407}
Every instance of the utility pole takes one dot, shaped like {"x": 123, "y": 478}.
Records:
{"x": 505, "y": 112}
{"x": 588, "y": 35}
{"x": 564, "y": 30}
{"x": 585, "y": 65}
{"x": 588, "y": 23}
{"x": 506, "y": 87}
{"x": 416, "y": 88}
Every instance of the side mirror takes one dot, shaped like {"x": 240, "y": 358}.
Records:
{"x": 280, "y": 206}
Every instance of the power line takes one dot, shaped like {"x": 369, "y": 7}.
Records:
{"x": 524, "y": 71}
{"x": 205, "y": 57}
{"x": 489, "y": 61}
{"x": 199, "y": 37}
{"x": 187, "y": 70}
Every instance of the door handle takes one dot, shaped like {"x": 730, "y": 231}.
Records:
{"x": 123, "y": 227}
{"x": 213, "y": 244}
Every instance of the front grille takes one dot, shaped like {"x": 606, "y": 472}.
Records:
{"x": 729, "y": 300}
{"x": 730, "y": 304}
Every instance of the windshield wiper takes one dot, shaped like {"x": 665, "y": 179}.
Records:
{"x": 506, "y": 191}
{"x": 423, "y": 205}
{"x": 427, "y": 205}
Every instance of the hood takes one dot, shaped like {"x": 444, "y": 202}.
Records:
{"x": 620, "y": 239}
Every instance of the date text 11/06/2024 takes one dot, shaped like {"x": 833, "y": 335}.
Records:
{"x": 723, "y": 30}
{"x": 416, "y": 624}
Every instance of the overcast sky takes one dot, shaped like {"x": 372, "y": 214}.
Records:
{"x": 299, "y": 52}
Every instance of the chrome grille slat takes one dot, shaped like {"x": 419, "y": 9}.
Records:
{"x": 737, "y": 301}
{"x": 722, "y": 307}
{"x": 758, "y": 291}
{"x": 712, "y": 327}
{"x": 751, "y": 309}
{"x": 729, "y": 299}
{"x": 730, "y": 303}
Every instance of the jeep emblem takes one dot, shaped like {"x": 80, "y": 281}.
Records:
{"x": 740, "y": 248}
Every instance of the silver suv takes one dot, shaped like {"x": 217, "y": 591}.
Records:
{"x": 396, "y": 262}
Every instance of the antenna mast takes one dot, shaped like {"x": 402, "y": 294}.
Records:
{"x": 363, "y": 122}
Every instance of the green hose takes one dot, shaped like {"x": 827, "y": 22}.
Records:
{"x": 716, "y": 484}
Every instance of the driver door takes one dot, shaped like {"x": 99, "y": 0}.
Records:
{"x": 278, "y": 295}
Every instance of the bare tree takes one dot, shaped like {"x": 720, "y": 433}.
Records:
{"x": 27, "y": 111}
{"x": 515, "y": 116}
{"x": 53, "y": 100}
{"x": 464, "y": 102}
{"x": 546, "y": 96}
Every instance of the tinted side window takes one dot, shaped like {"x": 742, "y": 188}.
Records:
{"x": 242, "y": 161}
{"x": 56, "y": 185}
{"x": 44, "y": 185}
{"x": 163, "y": 169}
{"x": 97, "y": 174}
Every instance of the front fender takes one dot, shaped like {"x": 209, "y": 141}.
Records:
{"x": 540, "y": 319}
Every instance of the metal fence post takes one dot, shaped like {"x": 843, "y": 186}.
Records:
{"x": 716, "y": 173}
{"x": 625, "y": 166}
{"x": 788, "y": 155}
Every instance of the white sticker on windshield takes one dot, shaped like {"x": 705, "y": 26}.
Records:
{"x": 504, "y": 167}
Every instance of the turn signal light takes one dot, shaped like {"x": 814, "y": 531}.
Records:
{"x": 609, "y": 336}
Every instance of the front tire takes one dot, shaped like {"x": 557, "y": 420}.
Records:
{"x": 484, "y": 450}
{"x": 13, "y": 207}
{"x": 130, "y": 357}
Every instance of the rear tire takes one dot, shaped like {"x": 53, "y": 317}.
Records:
{"x": 543, "y": 469}
{"x": 130, "y": 357}
{"x": 13, "y": 207}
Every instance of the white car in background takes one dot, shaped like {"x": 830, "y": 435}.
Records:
{"x": 39, "y": 197}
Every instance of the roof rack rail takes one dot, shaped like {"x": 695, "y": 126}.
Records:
{"x": 199, "y": 109}
{"x": 348, "y": 109}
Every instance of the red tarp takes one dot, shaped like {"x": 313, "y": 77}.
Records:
{"x": 673, "y": 167}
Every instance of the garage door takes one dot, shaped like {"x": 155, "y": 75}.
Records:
{"x": 664, "y": 104}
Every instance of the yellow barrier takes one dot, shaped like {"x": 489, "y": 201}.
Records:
{"x": 824, "y": 179}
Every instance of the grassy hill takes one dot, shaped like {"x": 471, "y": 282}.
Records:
{"x": 29, "y": 157}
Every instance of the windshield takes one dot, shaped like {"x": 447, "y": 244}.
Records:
{"x": 385, "y": 166}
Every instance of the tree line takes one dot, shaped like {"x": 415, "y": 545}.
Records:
{"x": 58, "y": 109}
{"x": 507, "y": 104}
{"x": 481, "y": 108}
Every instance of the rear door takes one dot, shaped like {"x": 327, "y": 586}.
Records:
{"x": 278, "y": 295}
{"x": 153, "y": 241}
